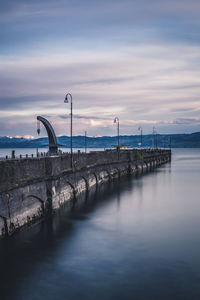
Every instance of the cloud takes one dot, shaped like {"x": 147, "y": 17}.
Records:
{"x": 182, "y": 110}
{"x": 137, "y": 60}
{"x": 186, "y": 121}
{"x": 28, "y": 26}
{"x": 140, "y": 85}
{"x": 86, "y": 117}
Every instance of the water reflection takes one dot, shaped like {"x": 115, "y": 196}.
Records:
{"x": 20, "y": 254}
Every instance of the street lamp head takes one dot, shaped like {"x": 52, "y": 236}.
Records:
{"x": 116, "y": 120}
{"x": 66, "y": 99}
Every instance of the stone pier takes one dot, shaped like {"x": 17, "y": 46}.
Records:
{"x": 31, "y": 189}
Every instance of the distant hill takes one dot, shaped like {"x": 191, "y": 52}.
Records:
{"x": 177, "y": 141}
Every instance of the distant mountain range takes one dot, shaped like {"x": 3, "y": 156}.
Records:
{"x": 163, "y": 140}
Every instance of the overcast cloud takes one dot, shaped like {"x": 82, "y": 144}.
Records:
{"x": 138, "y": 60}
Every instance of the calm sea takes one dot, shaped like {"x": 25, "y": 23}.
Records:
{"x": 137, "y": 238}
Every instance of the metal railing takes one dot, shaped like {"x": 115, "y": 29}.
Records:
{"x": 13, "y": 156}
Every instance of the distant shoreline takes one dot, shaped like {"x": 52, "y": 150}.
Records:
{"x": 133, "y": 141}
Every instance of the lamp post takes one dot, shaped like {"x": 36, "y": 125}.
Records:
{"x": 140, "y": 128}
{"x": 156, "y": 140}
{"x": 153, "y": 137}
{"x": 85, "y": 141}
{"x": 66, "y": 101}
{"x": 164, "y": 142}
{"x": 170, "y": 142}
{"x": 116, "y": 120}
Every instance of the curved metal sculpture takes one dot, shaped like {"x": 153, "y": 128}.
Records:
{"x": 53, "y": 145}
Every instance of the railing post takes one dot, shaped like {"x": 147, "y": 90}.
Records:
{"x": 13, "y": 154}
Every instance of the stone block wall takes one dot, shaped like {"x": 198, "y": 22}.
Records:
{"x": 33, "y": 188}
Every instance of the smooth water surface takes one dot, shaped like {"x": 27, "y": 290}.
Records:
{"x": 137, "y": 238}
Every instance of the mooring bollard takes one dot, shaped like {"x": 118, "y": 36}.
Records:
{"x": 13, "y": 154}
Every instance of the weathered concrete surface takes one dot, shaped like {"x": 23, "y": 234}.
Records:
{"x": 33, "y": 188}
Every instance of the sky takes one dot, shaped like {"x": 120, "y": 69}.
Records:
{"x": 138, "y": 60}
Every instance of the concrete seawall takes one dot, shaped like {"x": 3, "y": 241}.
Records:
{"x": 31, "y": 189}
